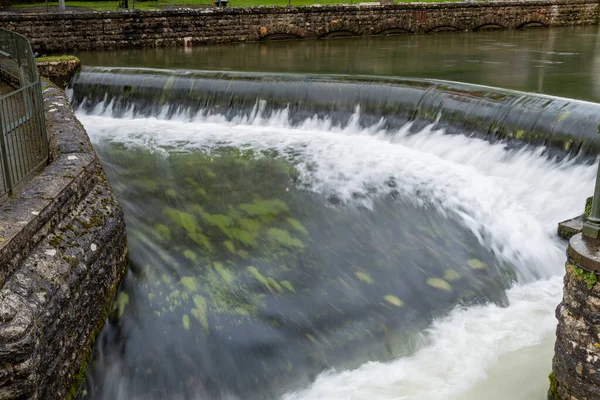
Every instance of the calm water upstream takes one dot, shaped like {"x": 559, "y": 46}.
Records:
{"x": 277, "y": 254}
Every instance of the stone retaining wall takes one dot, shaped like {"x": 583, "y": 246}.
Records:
{"x": 576, "y": 363}
{"x": 63, "y": 32}
{"x": 58, "y": 70}
{"x": 63, "y": 253}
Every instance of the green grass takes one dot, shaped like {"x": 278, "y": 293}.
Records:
{"x": 55, "y": 58}
{"x": 157, "y": 4}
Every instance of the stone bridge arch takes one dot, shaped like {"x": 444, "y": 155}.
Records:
{"x": 444, "y": 28}
{"x": 280, "y": 32}
{"x": 391, "y": 26}
{"x": 532, "y": 24}
{"x": 338, "y": 33}
{"x": 338, "y": 28}
{"x": 489, "y": 26}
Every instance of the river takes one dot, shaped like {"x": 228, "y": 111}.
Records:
{"x": 280, "y": 254}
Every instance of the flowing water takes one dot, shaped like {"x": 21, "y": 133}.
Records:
{"x": 283, "y": 253}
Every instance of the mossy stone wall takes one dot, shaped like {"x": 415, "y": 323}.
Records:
{"x": 65, "y": 32}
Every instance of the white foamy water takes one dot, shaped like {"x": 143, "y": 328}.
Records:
{"x": 510, "y": 200}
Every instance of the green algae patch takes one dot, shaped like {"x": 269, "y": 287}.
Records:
{"x": 257, "y": 275}
{"x": 275, "y": 285}
{"x": 122, "y": 302}
{"x": 284, "y": 238}
{"x": 393, "y": 300}
{"x": 240, "y": 248}
{"x": 439, "y": 284}
{"x": 224, "y": 273}
{"x": 189, "y": 283}
{"x": 451, "y": 275}
{"x": 185, "y": 320}
{"x": 190, "y": 255}
{"x": 297, "y": 225}
{"x": 519, "y": 134}
{"x": 364, "y": 277}
{"x": 200, "y": 311}
{"x": 264, "y": 208}
{"x": 476, "y": 263}
{"x": 288, "y": 286}
{"x": 163, "y": 231}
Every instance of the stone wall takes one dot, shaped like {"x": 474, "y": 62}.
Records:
{"x": 185, "y": 27}
{"x": 59, "y": 70}
{"x": 576, "y": 364}
{"x": 63, "y": 253}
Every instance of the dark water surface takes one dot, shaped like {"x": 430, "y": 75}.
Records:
{"x": 558, "y": 61}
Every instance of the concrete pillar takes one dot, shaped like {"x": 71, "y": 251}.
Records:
{"x": 576, "y": 364}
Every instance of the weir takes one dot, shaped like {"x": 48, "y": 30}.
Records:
{"x": 285, "y": 225}
{"x": 490, "y": 113}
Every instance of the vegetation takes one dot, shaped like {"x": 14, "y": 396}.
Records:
{"x": 223, "y": 244}
{"x": 55, "y": 58}
{"x": 589, "y": 277}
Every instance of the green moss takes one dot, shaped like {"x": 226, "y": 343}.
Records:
{"x": 89, "y": 346}
{"x": 519, "y": 134}
{"x": 71, "y": 260}
{"x": 588, "y": 207}
{"x": 56, "y": 241}
{"x": 553, "y": 392}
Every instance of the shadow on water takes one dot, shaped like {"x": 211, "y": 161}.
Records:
{"x": 244, "y": 286}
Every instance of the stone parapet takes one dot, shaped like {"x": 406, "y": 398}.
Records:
{"x": 64, "y": 32}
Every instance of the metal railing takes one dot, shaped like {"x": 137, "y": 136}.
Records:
{"x": 23, "y": 141}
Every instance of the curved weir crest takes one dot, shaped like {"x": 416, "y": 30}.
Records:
{"x": 487, "y": 112}
{"x": 282, "y": 251}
